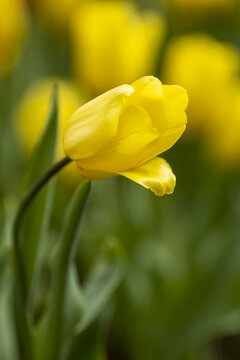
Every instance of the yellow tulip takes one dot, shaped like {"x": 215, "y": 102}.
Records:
{"x": 223, "y": 136}
{"x": 13, "y": 24}
{"x": 113, "y": 43}
{"x": 32, "y": 111}
{"x": 122, "y": 131}
{"x": 203, "y": 66}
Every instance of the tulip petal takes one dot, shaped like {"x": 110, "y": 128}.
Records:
{"x": 166, "y": 106}
{"x": 126, "y": 149}
{"x": 175, "y": 104}
{"x": 164, "y": 142}
{"x": 169, "y": 117}
{"x": 155, "y": 175}
{"x": 94, "y": 125}
{"x": 148, "y": 86}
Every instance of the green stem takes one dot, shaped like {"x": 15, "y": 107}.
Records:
{"x": 19, "y": 266}
{"x": 26, "y": 200}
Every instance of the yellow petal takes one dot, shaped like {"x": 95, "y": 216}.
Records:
{"x": 155, "y": 175}
{"x": 148, "y": 86}
{"x": 173, "y": 121}
{"x": 166, "y": 106}
{"x": 175, "y": 101}
{"x": 169, "y": 117}
{"x": 93, "y": 125}
{"x": 126, "y": 149}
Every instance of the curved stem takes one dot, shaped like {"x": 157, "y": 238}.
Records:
{"x": 26, "y": 200}
{"x": 20, "y": 297}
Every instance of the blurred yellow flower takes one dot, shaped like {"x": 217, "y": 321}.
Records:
{"x": 122, "y": 131}
{"x": 32, "y": 111}
{"x": 113, "y": 43}
{"x": 204, "y": 67}
{"x": 223, "y": 136}
{"x": 13, "y": 23}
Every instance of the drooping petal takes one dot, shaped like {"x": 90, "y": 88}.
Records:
{"x": 94, "y": 125}
{"x": 155, "y": 175}
{"x": 125, "y": 150}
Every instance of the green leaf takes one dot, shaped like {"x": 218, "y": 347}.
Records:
{"x": 74, "y": 301}
{"x": 8, "y": 343}
{"x": 6, "y": 241}
{"x": 4, "y": 260}
{"x": 49, "y": 336}
{"x": 91, "y": 343}
{"x": 102, "y": 282}
{"x": 34, "y": 227}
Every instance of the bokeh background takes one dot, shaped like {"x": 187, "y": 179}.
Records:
{"x": 180, "y": 296}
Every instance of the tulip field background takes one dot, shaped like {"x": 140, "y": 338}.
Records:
{"x": 165, "y": 271}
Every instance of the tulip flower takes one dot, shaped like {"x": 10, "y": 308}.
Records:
{"x": 204, "y": 67}
{"x": 223, "y": 137}
{"x": 113, "y": 43}
{"x": 122, "y": 131}
{"x": 13, "y": 23}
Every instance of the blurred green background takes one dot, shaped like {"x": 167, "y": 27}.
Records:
{"x": 180, "y": 296}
